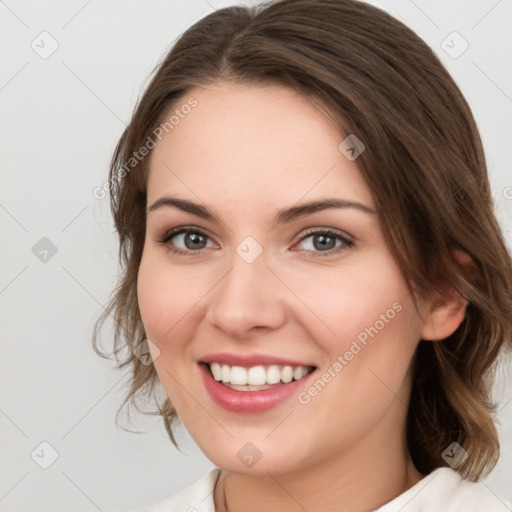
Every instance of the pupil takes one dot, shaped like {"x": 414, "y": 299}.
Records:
{"x": 323, "y": 243}
{"x": 195, "y": 237}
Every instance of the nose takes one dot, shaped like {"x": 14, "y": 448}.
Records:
{"x": 248, "y": 300}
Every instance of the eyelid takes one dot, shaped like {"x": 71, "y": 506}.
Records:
{"x": 332, "y": 231}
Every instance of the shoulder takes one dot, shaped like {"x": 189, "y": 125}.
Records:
{"x": 444, "y": 489}
{"x": 196, "y": 497}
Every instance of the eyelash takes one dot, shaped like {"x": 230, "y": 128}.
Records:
{"x": 346, "y": 243}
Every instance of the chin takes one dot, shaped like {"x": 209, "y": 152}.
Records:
{"x": 255, "y": 459}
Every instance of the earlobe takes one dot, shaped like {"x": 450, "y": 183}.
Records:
{"x": 448, "y": 311}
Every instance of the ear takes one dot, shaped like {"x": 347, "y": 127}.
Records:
{"x": 447, "y": 311}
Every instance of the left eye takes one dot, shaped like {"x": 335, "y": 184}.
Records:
{"x": 325, "y": 241}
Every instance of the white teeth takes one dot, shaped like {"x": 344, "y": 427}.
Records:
{"x": 287, "y": 374}
{"x": 247, "y": 387}
{"x": 256, "y": 377}
{"x": 225, "y": 373}
{"x": 216, "y": 371}
{"x": 299, "y": 372}
{"x": 273, "y": 374}
{"x": 238, "y": 375}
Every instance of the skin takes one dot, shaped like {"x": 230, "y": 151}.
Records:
{"x": 246, "y": 151}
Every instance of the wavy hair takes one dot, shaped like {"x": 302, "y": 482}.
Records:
{"x": 425, "y": 166}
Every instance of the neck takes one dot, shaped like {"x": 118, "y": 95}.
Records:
{"x": 313, "y": 490}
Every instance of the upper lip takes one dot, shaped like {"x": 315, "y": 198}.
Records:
{"x": 250, "y": 360}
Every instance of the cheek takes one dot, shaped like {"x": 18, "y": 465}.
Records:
{"x": 377, "y": 332}
{"x": 158, "y": 306}
{"x": 166, "y": 299}
{"x": 151, "y": 299}
{"x": 355, "y": 300}
{"x": 165, "y": 309}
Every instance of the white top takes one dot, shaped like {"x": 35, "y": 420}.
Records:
{"x": 443, "y": 490}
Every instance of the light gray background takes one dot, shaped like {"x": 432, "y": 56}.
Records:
{"x": 61, "y": 117}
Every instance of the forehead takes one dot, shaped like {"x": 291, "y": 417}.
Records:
{"x": 253, "y": 143}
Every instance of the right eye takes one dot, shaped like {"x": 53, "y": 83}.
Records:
{"x": 193, "y": 240}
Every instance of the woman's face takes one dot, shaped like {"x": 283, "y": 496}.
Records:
{"x": 258, "y": 289}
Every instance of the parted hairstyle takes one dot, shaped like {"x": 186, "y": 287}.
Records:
{"x": 424, "y": 164}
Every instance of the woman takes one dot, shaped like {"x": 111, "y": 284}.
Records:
{"x": 311, "y": 258}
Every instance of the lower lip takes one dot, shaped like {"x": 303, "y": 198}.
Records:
{"x": 250, "y": 401}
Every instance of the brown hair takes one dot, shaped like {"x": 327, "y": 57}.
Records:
{"x": 423, "y": 162}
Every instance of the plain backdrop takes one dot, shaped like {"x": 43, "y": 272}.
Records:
{"x": 70, "y": 75}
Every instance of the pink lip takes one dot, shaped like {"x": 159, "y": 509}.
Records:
{"x": 250, "y": 360}
{"x": 250, "y": 401}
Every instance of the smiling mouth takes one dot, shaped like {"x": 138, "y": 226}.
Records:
{"x": 256, "y": 378}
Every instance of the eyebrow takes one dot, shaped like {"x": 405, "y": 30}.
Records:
{"x": 283, "y": 216}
